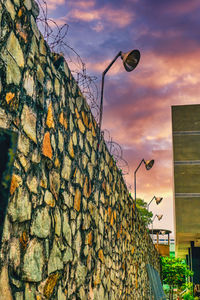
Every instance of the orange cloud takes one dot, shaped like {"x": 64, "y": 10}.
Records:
{"x": 118, "y": 17}
{"x": 82, "y": 4}
{"x": 52, "y": 4}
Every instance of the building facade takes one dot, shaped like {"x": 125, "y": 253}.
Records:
{"x": 186, "y": 162}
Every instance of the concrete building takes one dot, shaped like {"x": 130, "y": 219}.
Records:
{"x": 186, "y": 160}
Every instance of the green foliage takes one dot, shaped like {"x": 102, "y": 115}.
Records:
{"x": 143, "y": 211}
{"x": 175, "y": 271}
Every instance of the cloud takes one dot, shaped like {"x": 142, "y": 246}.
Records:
{"x": 119, "y": 18}
{"x": 53, "y": 4}
{"x": 82, "y": 4}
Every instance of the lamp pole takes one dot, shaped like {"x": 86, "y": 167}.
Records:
{"x": 102, "y": 89}
{"x": 159, "y": 218}
{"x": 148, "y": 165}
{"x": 135, "y": 186}
{"x": 130, "y": 61}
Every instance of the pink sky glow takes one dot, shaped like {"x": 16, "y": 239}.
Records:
{"x": 137, "y": 105}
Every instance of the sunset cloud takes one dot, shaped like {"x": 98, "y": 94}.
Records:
{"x": 53, "y": 4}
{"x": 137, "y": 105}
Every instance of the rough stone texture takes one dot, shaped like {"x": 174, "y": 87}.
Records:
{"x": 41, "y": 223}
{"x": 29, "y": 123}
{"x": 55, "y": 260}
{"x": 49, "y": 199}
{"x": 19, "y": 208}
{"x": 14, "y": 49}
{"x": 33, "y": 262}
{"x": 68, "y": 231}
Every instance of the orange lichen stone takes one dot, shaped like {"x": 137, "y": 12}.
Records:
{"x": 75, "y": 172}
{"x": 71, "y": 148}
{"x": 85, "y": 118}
{"x": 14, "y": 184}
{"x": 21, "y": 32}
{"x": 9, "y": 97}
{"x": 77, "y": 200}
{"x": 57, "y": 163}
{"x": 97, "y": 280}
{"x": 50, "y": 120}
{"x": 46, "y": 147}
{"x": 20, "y": 13}
{"x": 77, "y": 114}
{"x": 62, "y": 120}
{"x": 104, "y": 185}
{"x": 87, "y": 189}
{"x": 23, "y": 240}
{"x": 109, "y": 211}
{"x": 43, "y": 184}
{"x": 50, "y": 284}
{"x": 89, "y": 238}
{"x": 101, "y": 256}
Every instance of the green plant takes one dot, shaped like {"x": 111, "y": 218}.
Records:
{"x": 175, "y": 273}
{"x": 188, "y": 296}
{"x": 143, "y": 211}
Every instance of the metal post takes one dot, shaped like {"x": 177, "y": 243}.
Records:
{"x": 102, "y": 89}
{"x": 150, "y": 202}
{"x": 135, "y": 186}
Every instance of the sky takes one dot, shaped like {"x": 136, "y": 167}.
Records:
{"x": 137, "y": 105}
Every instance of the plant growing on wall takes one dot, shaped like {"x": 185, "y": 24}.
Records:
{"x": 143, "y": 211}
{"x": 175, "y": 273}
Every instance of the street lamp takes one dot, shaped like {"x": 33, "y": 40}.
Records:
{"x": 157, "y": 199}
{"x": 159, "y": 218}
{"x": 130, "y": 61}
{"x": 148, "y": 165}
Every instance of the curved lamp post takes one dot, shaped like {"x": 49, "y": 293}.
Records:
{"x": 148, "y": 165}
{"x": 157, "y": 199}
{"x": 130, "y": 61}
{"x": 159, "y": 218}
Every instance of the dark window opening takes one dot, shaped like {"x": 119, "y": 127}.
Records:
{"x": 8, "y": 145}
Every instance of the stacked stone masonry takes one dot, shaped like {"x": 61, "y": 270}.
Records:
{"x": 68, "y": 231}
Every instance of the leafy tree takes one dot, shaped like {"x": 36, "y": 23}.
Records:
{"x": 174, "y": 272}
{"x": 143, "y": 211}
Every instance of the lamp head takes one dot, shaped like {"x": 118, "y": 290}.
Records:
{"x": 158, "y": 200}
{"x": 149, "y": 164}
{"x": 130, "y": 59}
{"x": 162, "y": 232}
{"x": 159, "y": 217}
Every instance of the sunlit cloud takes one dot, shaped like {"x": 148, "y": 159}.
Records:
{"x": 82, "y": 4}
{"x": 137, "y": 105}
{"x": 53, "y": 4}
{"x": 119, "y": 18}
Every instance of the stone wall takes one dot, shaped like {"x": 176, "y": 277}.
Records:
{"x": 68, "y": 231}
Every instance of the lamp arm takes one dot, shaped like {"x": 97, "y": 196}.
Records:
{"x": 139, "y": 165}
{"x": 135, "y": 186}
{"x": 102, "y": 89}
{"x": 150, "y": 202}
